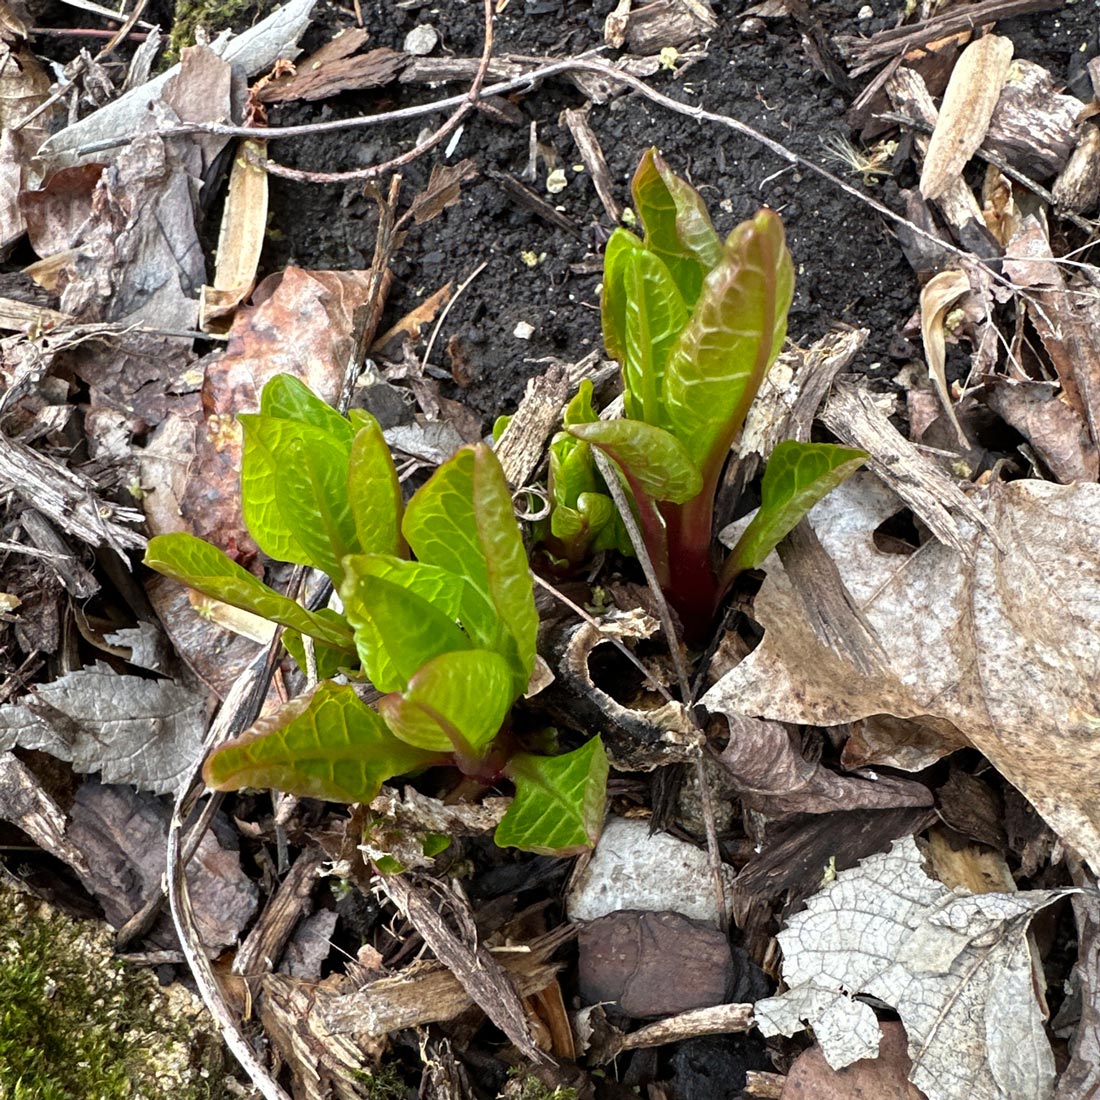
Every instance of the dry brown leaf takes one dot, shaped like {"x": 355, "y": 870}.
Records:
{"x": 1003, "y": 645}
{"x": 939, "y": 294}
{"x": 955, "y": 966}
{"x": 1054, "y": 428}
{"x": 55, "y": 213}
{"x": 241, "y": 239}
{"x": 24, "y": 87}
{"x": 139, "y": 258}
{"x": 968, "y": 103}
{"x": 1065, "y": 316}
{"x": 774, "y": 777}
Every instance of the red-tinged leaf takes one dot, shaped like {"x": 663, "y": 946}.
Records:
{"x": 328, "y": 744}
{"x": 678, "y": 228}
{"x": 455, "y": 703}
{"x": 735, "y": 332}
{"x": 654, "y": 460}
{"x": 560, "y": 801}
{"x": 462, "y": 521}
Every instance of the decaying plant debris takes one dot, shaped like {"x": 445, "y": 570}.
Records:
{"x": 884, "y": 748}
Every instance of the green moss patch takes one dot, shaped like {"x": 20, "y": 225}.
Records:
{"x": 77, "y": 1022}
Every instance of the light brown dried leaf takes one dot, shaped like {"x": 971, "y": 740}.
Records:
{"x": 968, "y": 103}
{"x": 241, "y": 239}
{"x": 939, "y": 294}
{"x": 1003, "y": 645}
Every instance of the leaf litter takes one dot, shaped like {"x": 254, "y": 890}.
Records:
{"x": 876, "y": 654}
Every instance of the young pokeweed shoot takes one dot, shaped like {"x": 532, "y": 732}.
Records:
{"x": 439, "y": 615}
{"x": 695, "y": 323}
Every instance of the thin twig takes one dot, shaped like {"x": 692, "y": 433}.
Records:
{"x": 447, "y": 309}
{"x": 373, "y": 171}
{"x": 527, "y": 81}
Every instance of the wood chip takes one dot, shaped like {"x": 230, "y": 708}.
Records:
{"x": 588, "y": 146}
{"x": 972, "y": 93}
{"x": 479, "y": 973}
{"x": 521, "y": 447}
{"x": 853, "y": 416}
{"x": 264, "y": 944}
{"x": 1078, "y": 186}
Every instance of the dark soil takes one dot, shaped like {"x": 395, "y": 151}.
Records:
{"x": 851, "y": 269}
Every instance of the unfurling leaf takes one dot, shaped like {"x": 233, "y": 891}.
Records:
{"x": 641, "y": 296}
{"x": 560, "y": 800}
{"x": 462, "y": 521}
{"x": 678, "y": 228}
{"x": 204, "y": 567}
{"x": 328, "y": 745}
{"x": 652, "y": 459}
{"x": 734, "y": 335}
{"x": 797, "y": 476}
{"x": 457, "y": 702}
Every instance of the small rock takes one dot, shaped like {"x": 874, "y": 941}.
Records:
{"x": 883, "y": 1078}
{"x": 421, "y": 40}
{"x": 654, "y": 964}
{"x": 523, "y": 331}
{"x": 632, "y": 870}
{"x": 866, "y": 12}
{"x": 753, "y": 27}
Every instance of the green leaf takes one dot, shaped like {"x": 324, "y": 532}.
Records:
{"x": 580, "y": 409}
{"x": 204, "y": 567}
{"x": 678, "y": 228}
{"x": 374, "y": 492}
{"x": 797, "y": 476}
{"x": 396, "y": 630}
{"x": 294, "y": 492}
{"x": 620, "y": 247}
{"x": 500, "y": 426}
{"x": 560, "y": 800}
{"x": 312, "y": 495}
{"x": 462, "y": 521}
{"x": 643, "y": 314}
{"x": 654, "y": 460}
{"x": 286, "y": 398}
{"x": 446, "y": 592}
{"x": 455, "y": 703}
{"x": 572, "y": 470}
{"x": 734, "y": 335}
{"x": 329, "y": 660}
{"x": 654, "y": 318}
{"x": 328, "y": 744}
